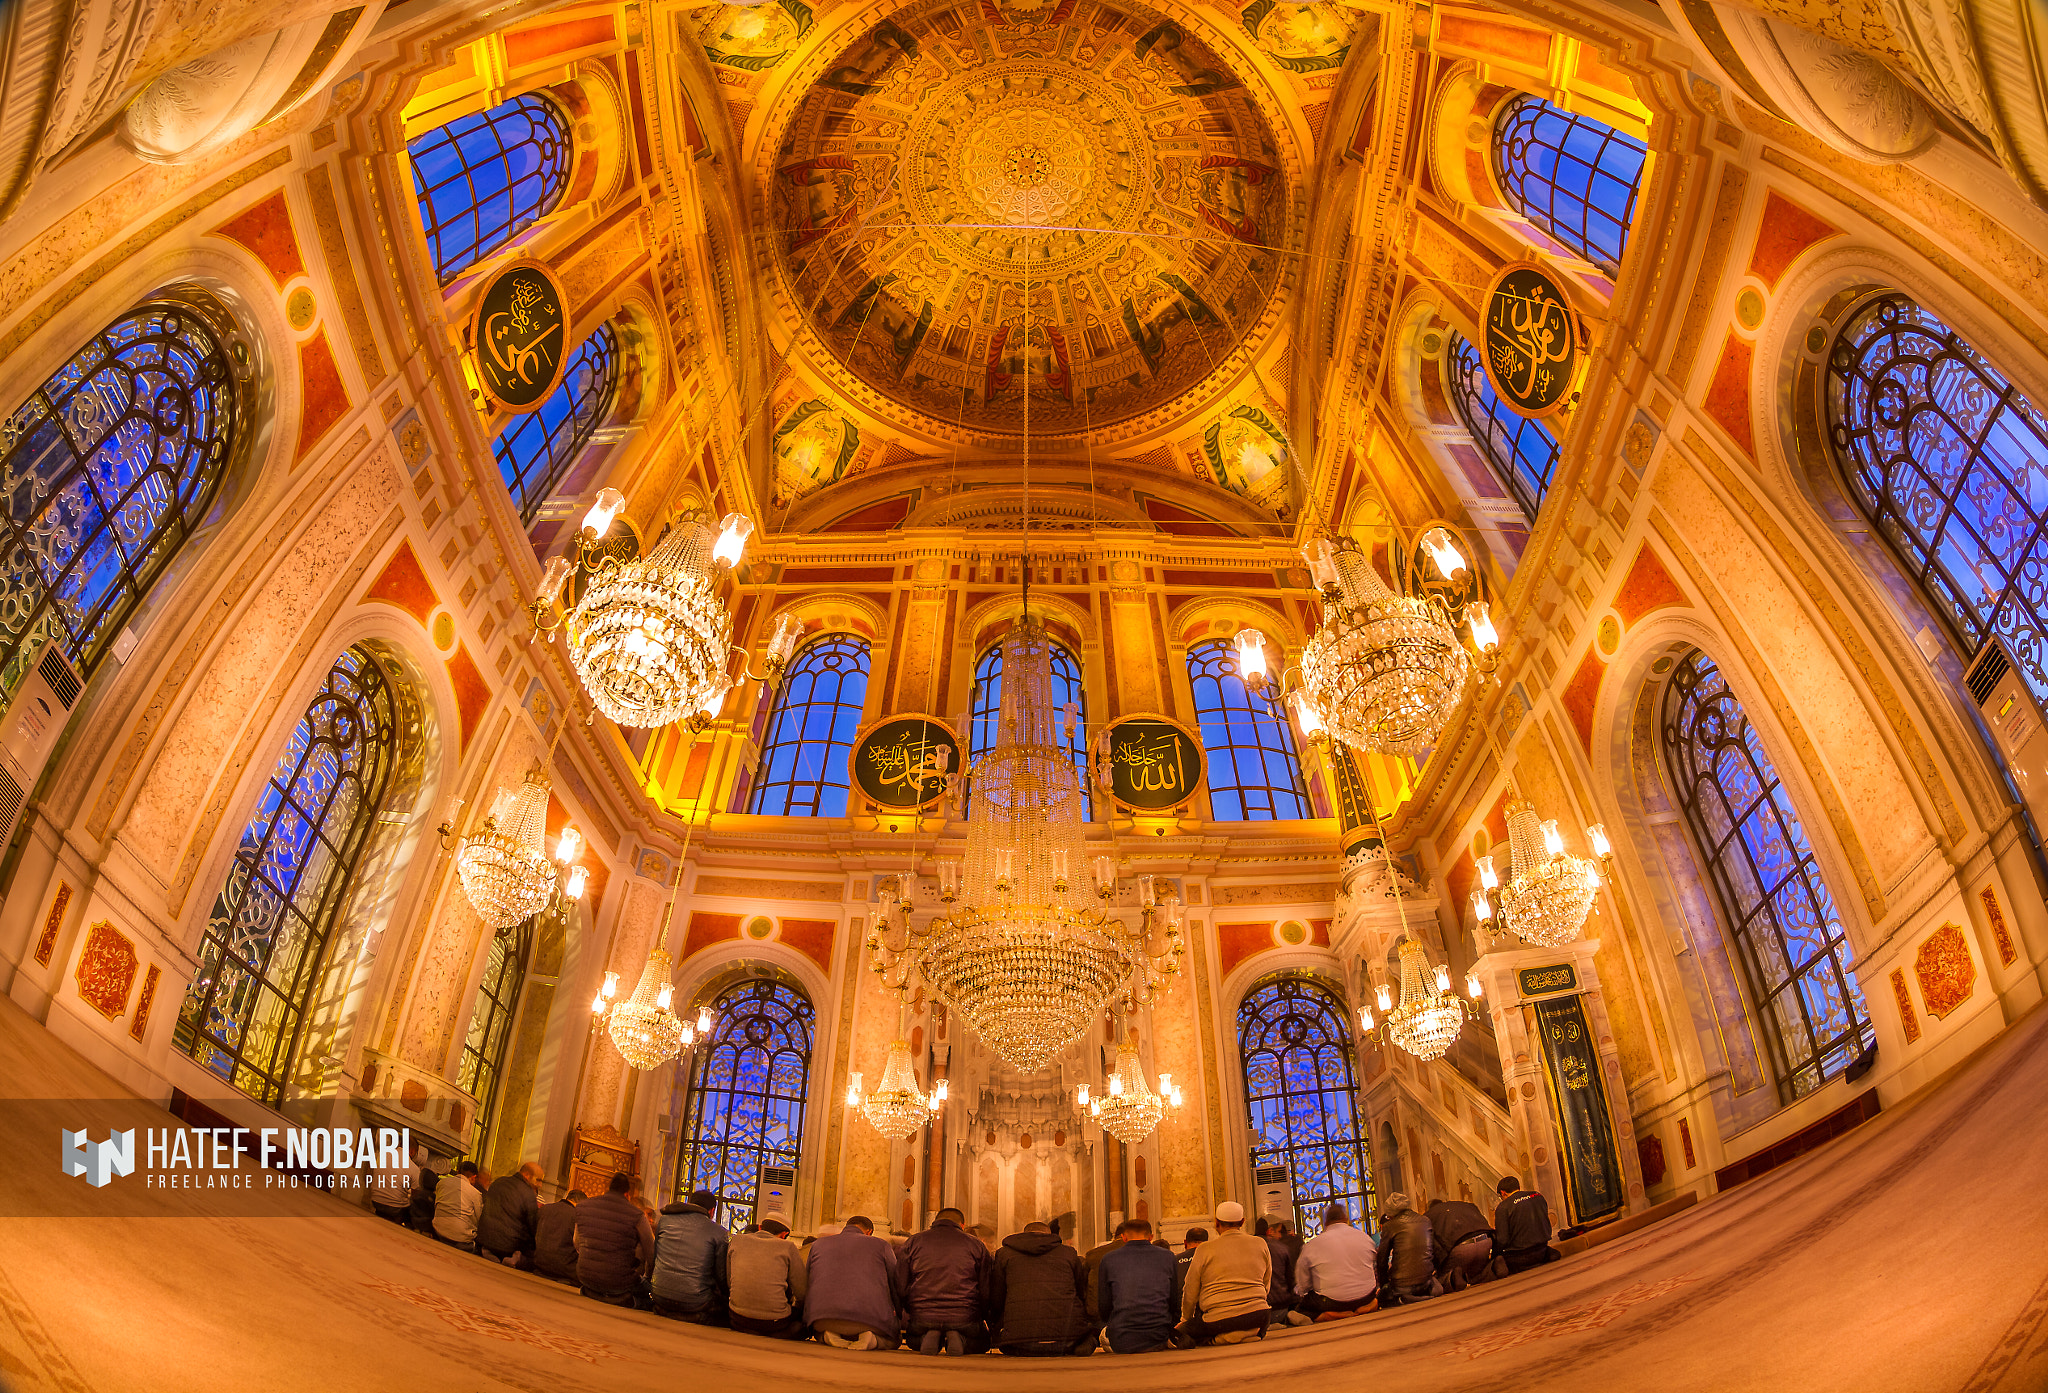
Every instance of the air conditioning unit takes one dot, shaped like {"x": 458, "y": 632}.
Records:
{"x": 2015, "y": 719}
{"x": 775, "y": 1196}
{"x": 1273, "y": 1187}
{"x": 29, "y": 731}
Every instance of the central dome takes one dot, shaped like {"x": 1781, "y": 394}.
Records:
{"x": 970, "y": 198}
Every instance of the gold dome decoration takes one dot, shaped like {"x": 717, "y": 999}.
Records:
{"x": 1104, "y": 162}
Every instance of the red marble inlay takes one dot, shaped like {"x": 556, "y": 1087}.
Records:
{"x": 1947, "y": 972}
{"x": 1582, "y": 696}
{"x": 403, "y": 582}
{"x": 1905, "y": 1000}
{"x": 812, "y": 938}
{"x": 524, "y": 46}
{"x": 266, "y": 230}
{"x": 53, "y": 923}
{"x": 106, "y": 970}
{"x": 1786, "y": 231}
{"x": 472, "y": 693}
{"x": 1319, "y": 932}
{"x": 145, "y": 1001}
{"x": 1727, "y": 400}
{"x": 1236, "y": 942}
{"x": 707, "y": 929}
{"x": 2008, "y": 952}
{"x": 412, "y": 1094}
{"x": 1648, "y": 586}
{"x": 326, "y": 397}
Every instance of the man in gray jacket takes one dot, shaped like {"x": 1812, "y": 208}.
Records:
{"x": 765, "y": 1279}
{"x": 689, "y": 1261}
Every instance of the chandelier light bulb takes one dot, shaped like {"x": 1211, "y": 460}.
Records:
{"x": 1473, "y": 987}
{"x": 598, "y": 520}
{"x": 1484, "y": 636}
{"x": 554, "y": 578}
{"x": 1384, "y": 994}
{"x": 597, "y": 1004}
{"x": 1116, "y": 1085}
{"x": 1488, "y": 876}
{"x": 1105, "y": 875}
{"x": 1145, "y": 891}
{"x": 664, "y": 996}
{"x": 568, "y": 844}
{"x": 940, "y": 1091}
{"x": 1176, "y": 1095}
{"x": 1596, "y": 837}
{"x": 1059, "y": 870}
{"x": 1365, "y": 1021}
{"x": 1081, "y": 1096}
{"x": 1449, "y": 560}
{"x": 572, "y": 888}
{"x": 853, "y": 1089}
{"x": 1321, "y": 564}
{"x": 704, "y": 1020}
{"x": 1165, "y": 1084}
{"x": 611, "y": 986}
{"x": 733, "y": 532}
{"x": 1553, "y": 843}
{"x": 1251, "y": 657}
{"x": 1482, "y": 908}
{"x": 949, "y": 881}
{"x": 1443, "y": 977}
{"x": 713, "y": 703}
{"x": 1095, "y": 1108}
{"x": 689, "y": 1035}
{"x": 1306, "y": 717}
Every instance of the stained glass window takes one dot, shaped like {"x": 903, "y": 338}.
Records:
{"x": 1949, "y": 462}
{"x": 1253, "y": 773}
{"x": 534, "y": 451}
{"x": 1294, "y": 1038}
{"x": 746, "y": 1106}
{"x": 490, "y": 1029}
{"x": 1574, "y": 177}
{"x": 1066, "y": 687}
{"x": 265, "y": 938}
{"x": 108, "y": 468}
{"x": 1779, "y": 911}
{"x": 817, "y": 714}
{"x": 1521, "y": 449}
{"x": 484, "y": 179}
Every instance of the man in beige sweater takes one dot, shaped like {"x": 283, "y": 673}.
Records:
{"x": 1227, "y": 1282}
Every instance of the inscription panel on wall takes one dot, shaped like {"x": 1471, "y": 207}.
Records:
{"x": 900, "y": 764}
{"x": 1149, "y": 763}
{"x": 517, "y": 340}
{"x": 1532, "y": 340}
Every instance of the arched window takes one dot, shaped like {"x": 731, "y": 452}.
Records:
{"x": 817, "y": 714}
{"x": 490, "y": 1028}
{"x": 109, "y": 467}
{"x": 1521, "y": 449}
{"x": 1253, "y": 774}
{"x": 486, "y": 178}
{"x": 1294, "y": 1039}
{"x": 747, "y": 1087}
{"x": 1570, "y": 175}
{"x": 1950, "y": 464}
{"x": 1066, "y": 687}
{"x": 264, "y": 941}
{"x": 1778, "y": 909}
{"x": 534, "y": 451}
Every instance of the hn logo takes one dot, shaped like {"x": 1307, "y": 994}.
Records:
{"x": 99, "y": 1161}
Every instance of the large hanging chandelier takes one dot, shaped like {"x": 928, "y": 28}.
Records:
{"x": 504, "y": 865}
{"x": 1427, "y": 1019}
{"x": 1128, "y": 1109}
{"x": 898, "y": 1106}
{"x": 642, "y": 1027}
{"x": 1023, "y": 955}
{"x": 1383, "y": 672}
{"x": 1549, "y": 891}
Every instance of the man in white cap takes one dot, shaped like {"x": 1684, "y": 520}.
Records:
{"x": 1227, "y": 1284}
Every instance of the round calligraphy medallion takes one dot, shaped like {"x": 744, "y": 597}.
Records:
{"x": 901, "y": 763}
{"x": 519, "y": 339}
{"x": 1154, "y": 764}
{"x": 1532, "y": 340}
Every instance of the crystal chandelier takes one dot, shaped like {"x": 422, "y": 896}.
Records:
{"x": 898, "y": 1106}
{"x": 504, "y": 864}
{"x": 642, "y": 1027}
{"x": 1383, "y": 672}
{"x": 1023, "y": 956}
{"x": 1129, "y": 1109}
{"x": 1428, "y": 1018}
{"x": 1549, "y": 891}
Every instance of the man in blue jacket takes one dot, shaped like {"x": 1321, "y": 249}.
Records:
{"x": 1140, "y": 1291}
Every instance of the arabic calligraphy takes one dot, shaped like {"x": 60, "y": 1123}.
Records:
{"x": 519, "y": 332}
{"x": 1151, "y": 764}
{"x": 906, "y": 763}
{"x": 1539, "y": 981}
{"x": 1531, "y": 340}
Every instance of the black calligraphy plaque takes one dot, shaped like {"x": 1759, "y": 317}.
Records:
{"x": 1532, "y": 340}
{"x": 519, "y": 337}
{"x": 1153, "y": 764}
{"x": 1592, "y": 1172}
{"x": 901, "y": 763}
{"x": 1543, "y": 981}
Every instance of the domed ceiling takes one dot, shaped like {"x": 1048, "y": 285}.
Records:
{"x": 972, "y": 196}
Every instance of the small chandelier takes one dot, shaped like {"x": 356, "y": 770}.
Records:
{"x": 898, "y": 1106}
{"x": 1549, "y": 891}
{"x": 642, "y": 1027}
{"x": 1129, "y": 1109}
{"x": 1428, "y": 1018}
{"x": 504, "y": 865}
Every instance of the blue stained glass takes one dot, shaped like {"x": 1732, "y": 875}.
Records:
{"x": 1788, "y": 934}
{"x": 745, "y": 1108}
{"x": 1301, "y": 1092}
{"x": 535, "y": 451}
{"x": 484, "y": 178}
{"x": 1253, "y": 773}
{"x": 1572, "y": 176}
{"x": 817, "y": 714}
{"x": 281, "y": 898}
{"x": 987, "y": 701}
{"x": 1522, "y": 449}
